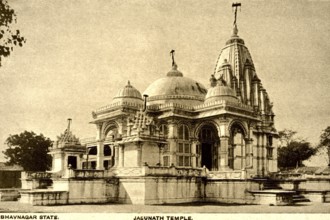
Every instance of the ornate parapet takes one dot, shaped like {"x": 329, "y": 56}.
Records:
{"x": 116, "y": 105}
{"x": 36, "y": 180}
{"x": 173, "y": 171}
{"x": 87, "y": 174}
{"x": 124, "y": 171}
{"x": 36, "y": 175}
{"x": 230, "y": 174}
{"x": 155, "y": 171}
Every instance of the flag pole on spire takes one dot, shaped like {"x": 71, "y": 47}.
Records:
{"x": 236, "y": 5}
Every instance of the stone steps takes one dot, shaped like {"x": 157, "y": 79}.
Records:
{"x": 299, "y": 198}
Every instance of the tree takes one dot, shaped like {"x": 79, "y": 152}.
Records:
{"x": 28, "y": 150}
{"x": 286, "y": 136}
{"x": 295, "y": 151}
{"x": 294, "y": 154}
{"x": 9, "y": 38}
{"x": 325, "y": 142}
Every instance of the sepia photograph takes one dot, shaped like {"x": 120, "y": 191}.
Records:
{"x": 164, "y": 109}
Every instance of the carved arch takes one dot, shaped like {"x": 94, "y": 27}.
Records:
{"x": 200, "y": 126}
{"x": 239, "y": 124}
{"x": 107, "y": 127}
{"x": 188, "y": 124}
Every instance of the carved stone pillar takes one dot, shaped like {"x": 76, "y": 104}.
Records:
{"x": 243, "y": 157}
{"x": 121, "y": 155}
{"x": 98, "y": 132}
{"x": 139, "y": 153}
{"x": 161, "y": 151}
{"x": 116, "y": 155}
{"x": 100, "y": 155}
{"x": 194, "y": 153}
{"x": 172, "y": 131}
{"x": 262, "y": 101}
{"x": 259, "y": 154}
{"x": 249, "y": 153}
{"x": 264, "y": 154}
{"x": 224, "y": 143}
{"x": 220, "y": 156}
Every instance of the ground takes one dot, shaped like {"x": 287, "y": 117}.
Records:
{"x": 16, "y": 207}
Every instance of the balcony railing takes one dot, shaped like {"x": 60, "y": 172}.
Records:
{"x": 36, "y": 175}
{"x": 230, "y": 174}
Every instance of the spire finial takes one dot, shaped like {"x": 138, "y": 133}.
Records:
{"x": 69, "y": 122}
{"x": 172, "y": 54}
{"x": 236, "y": 5}
{"x": 128, "y": 83}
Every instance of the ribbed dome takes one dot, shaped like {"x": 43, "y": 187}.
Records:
{"x": 129, "y": 94}
{"x": 220, "y": 92}
{"x": 175, "y": 88}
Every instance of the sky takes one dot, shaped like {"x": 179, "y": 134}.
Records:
{"x": 79, "y": 53}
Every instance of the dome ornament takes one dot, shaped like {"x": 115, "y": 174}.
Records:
{"x": 174, "y": 72}
{"x": 172, "y": 55}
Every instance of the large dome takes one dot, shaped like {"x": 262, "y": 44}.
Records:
{"x": 175, "y": 88}
{"x": 128, "y": 94}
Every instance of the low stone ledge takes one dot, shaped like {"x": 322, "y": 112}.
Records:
{"x": 9, "y": 194}
{"x": 273, "y": 197}
{"x": 320, "y": 196}
{"x": 44, "y": 197}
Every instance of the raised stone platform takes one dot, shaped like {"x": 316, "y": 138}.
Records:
{"x": 274, "y": 197}
{"x": 44, "y": 197}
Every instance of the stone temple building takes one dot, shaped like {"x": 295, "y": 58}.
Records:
{"x": 227, "y": 126}
{"x": 177, "y": 141}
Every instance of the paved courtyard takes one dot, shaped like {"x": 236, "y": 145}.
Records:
{"x": 16, "y": 207}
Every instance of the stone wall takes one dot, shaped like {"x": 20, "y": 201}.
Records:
{"x": 230, "y": 191}
{"x": 43, "y": 197}
{"x": 309, "y": 184}
{"x": 87, "y": 190}
{"x": 157, "y": 190}
{"x": 173, "y": 190}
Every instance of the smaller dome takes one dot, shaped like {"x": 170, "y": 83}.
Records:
{"x": 220, "y": 92}
{"x": 129, "y": 94}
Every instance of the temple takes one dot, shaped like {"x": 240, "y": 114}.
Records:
{"x": 178, "y": 141}
{"x": 227, "y": 128}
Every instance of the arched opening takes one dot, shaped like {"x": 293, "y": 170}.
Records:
{"x": 163, "y": 130}
{"x": 111, "y": 134}
{"x": 209, "y": 144}
{"x": 107, "y": 150}
{"x": 236, "y": 151}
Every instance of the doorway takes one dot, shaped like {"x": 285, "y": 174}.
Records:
{"x": 209, "y": 144}
{"x": 72, "y": 162}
